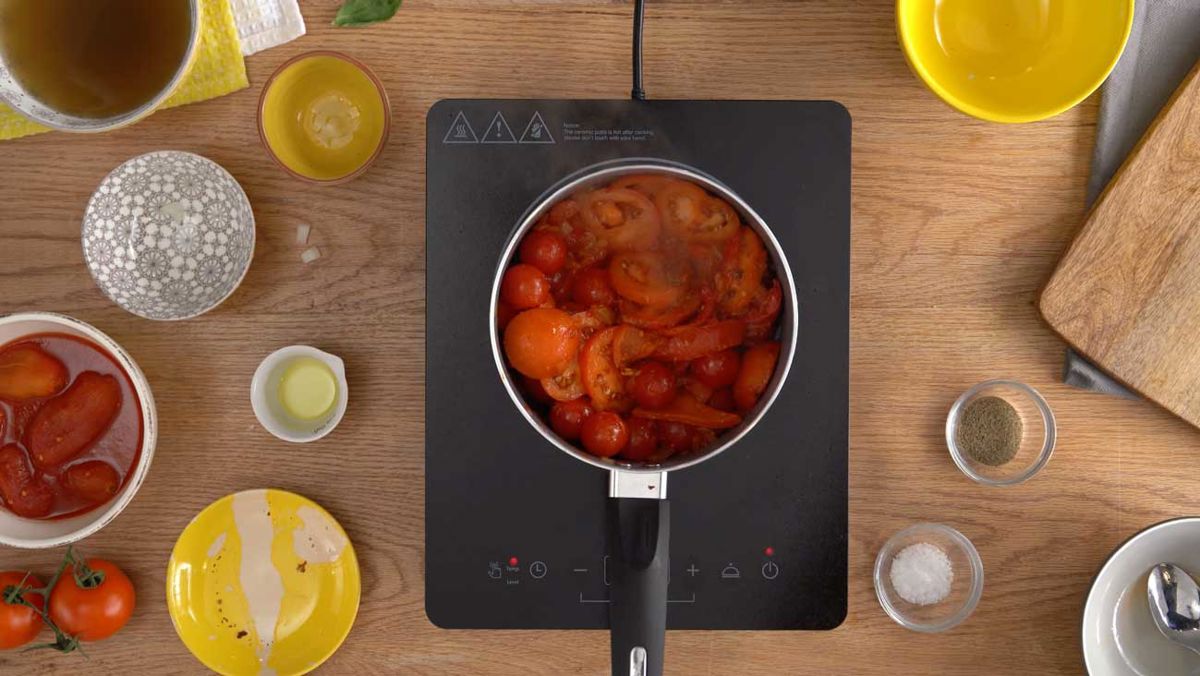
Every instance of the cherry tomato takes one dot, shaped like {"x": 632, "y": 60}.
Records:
{"x": 625, "y": 219}
{"x": 604, "y": 434}
{"x": 718, "y": 369}
{"x": 566, "y": 386}
{"x": 24, "y": 494}
{"x": 28, "y": 372}
{"x": 643, "y": 439}
{"x": 686, "y": 343}
{"x": 647, "y": 278}
{"x": 722, "y": 400}
{"x": 685, "y": 409}
{"x": 764, "y": 310}
{"x": 536, "y": 391}
{"x": 743, "y": 264}
{"x": 702, "y": 438}
{"x": 566, "y": 417}
{"x": 3, "y": 422}
{"x": 93, "y": 601}
{"x": 758, "y": 364}
{"x": 68, "y": 424}
{"x": 653, "y": 386}
{"x": 544, "y": 250}
{"x": 19, "y": 624}
{"x": 94, "y": 480}
{"x": 601, "y": 379}
{"x": 675, "y": 435}
{"x": 697, "y": 389}
{"x": 693, "y": 215}
{"x": 541, "y": 342}
{"x": 591, "y": 287}
{"x": 524, "y": 286}
{"x": 504, "y": 315}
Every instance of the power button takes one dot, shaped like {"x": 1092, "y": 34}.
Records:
{"x": 770, "y": 570}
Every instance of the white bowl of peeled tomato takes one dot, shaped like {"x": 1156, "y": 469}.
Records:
{"x": 77, "y": 429}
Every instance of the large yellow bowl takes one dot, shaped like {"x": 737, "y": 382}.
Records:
{"x": 263, "y": 581}
{"x": 1013, "y": 60}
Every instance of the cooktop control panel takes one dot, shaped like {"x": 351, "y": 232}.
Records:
{"x": 515, "y": 528}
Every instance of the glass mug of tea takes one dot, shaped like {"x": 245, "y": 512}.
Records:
{"x": 95, "y": 65}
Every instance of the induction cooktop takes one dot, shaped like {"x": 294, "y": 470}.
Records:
{"x": 515, "y": 528}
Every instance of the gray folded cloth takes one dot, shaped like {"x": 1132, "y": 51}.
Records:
{"x": 1162, "y": 48}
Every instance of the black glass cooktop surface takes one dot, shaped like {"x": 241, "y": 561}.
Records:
{"x": 515, "y": 528}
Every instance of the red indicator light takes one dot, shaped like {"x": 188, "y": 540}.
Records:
{"x": 769, "y": 551}
{"x": 513, "y": 562}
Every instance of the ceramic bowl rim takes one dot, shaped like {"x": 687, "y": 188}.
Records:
{"x": 258, "y": 392}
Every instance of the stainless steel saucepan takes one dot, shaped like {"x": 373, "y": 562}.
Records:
{"x": 638, "y": 510}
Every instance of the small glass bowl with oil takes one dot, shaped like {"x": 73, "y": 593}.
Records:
{"x": 299, "y": 393}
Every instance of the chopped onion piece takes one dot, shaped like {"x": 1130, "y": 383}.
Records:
{"x": 310, "y": 254}
{"x": 302, "y": 232}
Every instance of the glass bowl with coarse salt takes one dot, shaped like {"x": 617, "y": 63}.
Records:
{"x": 1000, "y": 432}
{"x": 928, "y": 577}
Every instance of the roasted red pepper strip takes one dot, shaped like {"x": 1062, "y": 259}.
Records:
{"x": 687, "y": 410}
{"x": 686, "y": 343}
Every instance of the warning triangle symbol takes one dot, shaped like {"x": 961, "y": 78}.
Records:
{"x": 460, "y": 131}
{"x": 498, "y": 131}
{"x": 537, "y": 131}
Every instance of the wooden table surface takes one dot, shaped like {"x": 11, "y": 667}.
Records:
{"x": 957, "y": 223}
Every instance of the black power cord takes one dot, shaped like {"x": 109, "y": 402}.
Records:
{"x": 639, "y": 17}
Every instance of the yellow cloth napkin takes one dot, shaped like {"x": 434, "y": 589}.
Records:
{"x": 217, "y": 69}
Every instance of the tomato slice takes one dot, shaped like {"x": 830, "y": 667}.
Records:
{"x": 647, "y": 278}
{"x": 739, "y": 280}
{"x": 601, "y": 378}
{"x": 646, "y": 317}
{"x": 566, "y": 386}
{"x": 687, "y": 410}
{"x": 764, "y": 310}
{"x": 624, "y": 218}
{"x": 69, "y": 423}
{"x": 758, "y": 365}
{"x": 28, "y": 372}
{"x": 24, "y": 494}
{"x": 593, "y": 319}
{"x": 686, "y": 343}
{"x": 632, "y": 344}
{"x": 693, "y": 215}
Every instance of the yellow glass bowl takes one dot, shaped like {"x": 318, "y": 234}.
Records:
{"x": 263, "y": 581}
{"x": 296, "y": 102}
{"x": 1013, "y": 60}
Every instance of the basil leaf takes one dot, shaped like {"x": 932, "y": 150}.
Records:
{"x": 363, "y": 12}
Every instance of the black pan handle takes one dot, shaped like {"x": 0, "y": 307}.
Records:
{"x": 639, "y": 536}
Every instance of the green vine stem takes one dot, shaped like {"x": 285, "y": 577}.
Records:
{"x": 16, "y": 595}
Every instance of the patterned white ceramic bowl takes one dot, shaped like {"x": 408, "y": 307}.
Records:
{"x": 168, "y": 235}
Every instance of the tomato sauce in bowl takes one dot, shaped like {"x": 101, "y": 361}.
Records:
{"x": 71, "y": 427}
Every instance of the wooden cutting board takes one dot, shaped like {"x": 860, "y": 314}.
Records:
{"x": 1127, "y": 292}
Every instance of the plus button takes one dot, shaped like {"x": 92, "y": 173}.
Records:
{"x": 692, "y": 570}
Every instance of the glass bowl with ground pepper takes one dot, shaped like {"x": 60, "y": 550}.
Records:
{"x": 928, "y": 577}
{"x": 1000, "y": 432}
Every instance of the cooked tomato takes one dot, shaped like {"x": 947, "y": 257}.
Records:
{"x": 3, "y": 423}
{"x": 647, "y": 317}
{"x": 591, "y": 287}
{"x": 19, "y": 624}
{"x": 565, "y": 386}
{"x": 593, "y": 319}
{"x": 24, "y": 494}
{"x": 647, "y": 278}
{"x": 764, "y": 310}
{"x": 643, "y": 439}
{"x": 647, "y": 184}
{"x": 604, "y": 434}
{"x": 601, "y": 378}
{"x": 545, "y": 250}
{"x": 625, "y": 219}
{"x": 561, "y": 213}
{"x": 93, "y": 600}
{"x": 674, "y": 435}
{"x": 693, "y": 215}
{"x": 743, "y": 265}
{"x": 566, "y": 417}
{"x": 94, "y": 480}
{"x": 70, "y": 422}
{"x": 653, "y": 386}
{"x": 632, "y": 344}
{"x": 504, "y": 314}
{"x": 717, "y": 369}
{"x": 533, "y": 387}
{"x": 697, "y": 389}
{"x": 541, "y": 342}
{"x": 28, "y": 372}
{"x": 686, "y": 343}
{"x": 705, "y": 258}
{"x": 524, "y": 286}
{"x": 722, "y": 400}
{"x": 758, "y": 365}
{"x": 685, "y": 409}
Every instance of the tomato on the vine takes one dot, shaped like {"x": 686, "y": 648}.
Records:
{"x": 92, "y": 600}
{"x": 19, "y": 624}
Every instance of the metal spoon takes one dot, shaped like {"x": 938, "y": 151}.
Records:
{"x": 1175, "y": 604}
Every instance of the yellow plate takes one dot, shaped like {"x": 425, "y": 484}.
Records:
{"x": 1013, "y": 60}
{"x": 263, "y": 582}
